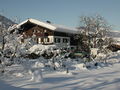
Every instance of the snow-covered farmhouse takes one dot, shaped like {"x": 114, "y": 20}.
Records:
{"x": 47, "y": 33}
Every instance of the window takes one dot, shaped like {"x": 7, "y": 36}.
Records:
{"x": 65, "y": 40}
{"x": 22, "y": 40}
{"x": 57, "y": 40}
{"x": 48, "y": 39}
{"x": 41, "y": 39}
{"x": 38, "y": 31}
{"x": 34, "y": 31}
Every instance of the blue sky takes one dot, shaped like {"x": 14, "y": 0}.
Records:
{"x": 65, "y": 12}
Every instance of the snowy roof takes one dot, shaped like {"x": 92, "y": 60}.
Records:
{"x": 50, "y": 26}
{"x": 62, "y": 28}
{"x": 43, "y": 24}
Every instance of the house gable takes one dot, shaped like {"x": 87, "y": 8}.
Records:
{"x": 28, "y": 29}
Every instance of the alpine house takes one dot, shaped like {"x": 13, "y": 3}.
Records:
{"x": 47, "y": 33}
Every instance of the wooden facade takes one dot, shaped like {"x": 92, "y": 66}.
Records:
{"x": 29, "y": 29}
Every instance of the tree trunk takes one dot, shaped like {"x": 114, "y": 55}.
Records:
{"x": 3, "y": 43}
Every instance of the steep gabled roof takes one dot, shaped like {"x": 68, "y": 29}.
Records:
{"x": 50, "y": 26}
{"x": 43, "y": 24}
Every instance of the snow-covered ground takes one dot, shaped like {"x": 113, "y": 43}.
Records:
{"x": 107, "y": 78}
{"x": 80, "y": 78}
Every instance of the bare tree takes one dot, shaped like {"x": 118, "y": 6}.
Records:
{"x": 95, "y": 30}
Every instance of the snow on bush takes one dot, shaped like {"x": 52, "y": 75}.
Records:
{"x": 80, "y": 66}
{"x": 18, "y": 74}
{"x": 38, "y": 65}
{"x": 38, "y": 49}
{"x": 94, "y": 51}
{"x": 37, "y": 75}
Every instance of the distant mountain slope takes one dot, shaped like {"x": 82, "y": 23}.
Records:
{"x": 115, "y": 33}
{"x": 5, "y": 21}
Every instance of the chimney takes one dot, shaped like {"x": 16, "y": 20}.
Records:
{"x": 48, "y": 22}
